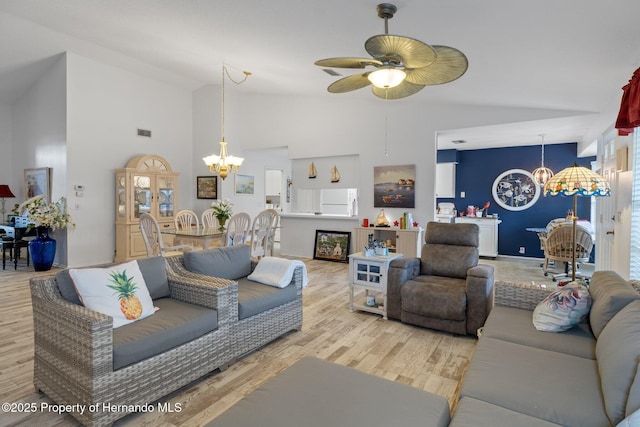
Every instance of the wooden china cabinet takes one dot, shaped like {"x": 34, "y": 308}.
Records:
{"x": 147, "y": 184}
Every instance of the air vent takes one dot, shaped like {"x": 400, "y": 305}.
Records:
{"x": 331, "y": 72}
{"x": 458, "y": 141}
{"x": 144, "y": 132}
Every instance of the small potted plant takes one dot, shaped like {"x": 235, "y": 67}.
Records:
{"x": 222, "y": 210}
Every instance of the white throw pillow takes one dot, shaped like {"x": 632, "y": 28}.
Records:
{"x": 118, "y": 291}
{"x": 563, "y": 309}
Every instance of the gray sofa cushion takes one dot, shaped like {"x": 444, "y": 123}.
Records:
{"x": 174, "y": 324}
{"x": 557, "y": 387}
{"x": 515, "y": 325}
{"x": 610, "y": 294}
{"x": 476, "y": 413}
{"x": 232, "y": 262}
{"x": 317, "y": 393}
{"x": 255, "y": 298}
{"x": 435, "y": 296}
{"x": 153, "y": 270}
{"x": 618, "y": 351}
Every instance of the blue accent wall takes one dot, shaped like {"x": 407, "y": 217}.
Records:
{"x": 477, "y": 170}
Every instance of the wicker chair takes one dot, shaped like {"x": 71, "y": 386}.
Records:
{"x": 73, "y": 361}
{"x": 558, "y": 247}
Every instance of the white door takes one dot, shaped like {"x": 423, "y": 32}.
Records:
{"x": 606, "y": 208}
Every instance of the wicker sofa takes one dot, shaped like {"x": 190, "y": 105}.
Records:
{"x": 586, "y": 376}
{"x": 81, "y": 360}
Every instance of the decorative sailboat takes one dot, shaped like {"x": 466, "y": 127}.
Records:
{"x": 335, "y": 175}
{"x": 313, "y": 172}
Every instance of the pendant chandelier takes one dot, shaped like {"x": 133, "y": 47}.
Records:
{"x": 223, "y": 164}
{"x": 542, "y": 174}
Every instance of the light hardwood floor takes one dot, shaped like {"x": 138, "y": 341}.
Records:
{"x": 422, "y": 358}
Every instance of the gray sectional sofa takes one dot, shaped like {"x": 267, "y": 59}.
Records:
{"x": 81, "y": 360}
{"x": 518, "y": 376}
{"x": 584, "y": 377}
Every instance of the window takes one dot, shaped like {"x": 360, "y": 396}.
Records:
{"x": 634, "y": 271}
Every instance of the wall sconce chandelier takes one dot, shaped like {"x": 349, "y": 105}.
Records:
{"x": 223, "y": 164}
{"x": 542, "y": 174}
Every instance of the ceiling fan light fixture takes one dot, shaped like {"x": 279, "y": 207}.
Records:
{"x": 387, "y": 77}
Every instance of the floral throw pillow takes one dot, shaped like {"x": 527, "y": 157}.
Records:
{"x": 562, "y": 309}
{"x": 118, "y": 291}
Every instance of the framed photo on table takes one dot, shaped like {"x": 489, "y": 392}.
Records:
{"x": 37, "y": 182}
{"x": 332, "y": 245}
{"x": 207, "y": 187}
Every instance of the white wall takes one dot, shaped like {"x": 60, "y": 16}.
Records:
{"x": 334, "y": 125}
{"x": 39, "y": 129}
{"x": 106, "y": 106}
{"x": 7, "y": 175}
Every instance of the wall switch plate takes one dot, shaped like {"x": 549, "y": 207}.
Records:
{"x": 522, "y": 249}
{"x": 462, "y": 194}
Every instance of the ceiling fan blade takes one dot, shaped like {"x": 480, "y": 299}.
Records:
{"x": 448, "y": 66}
{"x": 403, "y": 90}
{"x": 413, "y": 53}
{"x": 347, "y": 62}
{"x": 347, "y": 84}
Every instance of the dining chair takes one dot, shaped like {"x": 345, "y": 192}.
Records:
{"x": 185, "y": 220}
{"x": 209, "y": 220}
{"x": 238, "y": 228}
{"x": 262, "y": 231}
{"x": 152, "y": 237}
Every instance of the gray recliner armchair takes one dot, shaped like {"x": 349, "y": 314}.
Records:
{"x": 446, "y": 288}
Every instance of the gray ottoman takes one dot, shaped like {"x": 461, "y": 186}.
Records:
{"x": 317, "y": 393}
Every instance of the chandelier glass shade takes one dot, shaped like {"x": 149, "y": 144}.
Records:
{"x": 224, "y": 164}
{"x": 387, "y": 77}
{"x": 542, "y": 174}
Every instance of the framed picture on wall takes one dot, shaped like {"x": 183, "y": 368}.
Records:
{"x": 394, "y": 186}
{"x": 332, "y": 245}
{"x": 244, "y": 184}
{"x": 207, "y": 187}
{"x": 36, "y": 182}
{"x": 515, "y": 190}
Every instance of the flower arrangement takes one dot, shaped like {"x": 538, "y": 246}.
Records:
{"x": 222, "y": 209}
{"x": 51, "y": 215}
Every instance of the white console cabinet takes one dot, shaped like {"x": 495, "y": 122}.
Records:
{"x": 488, "y": 234}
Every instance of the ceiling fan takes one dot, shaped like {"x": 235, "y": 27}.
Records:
{"x": 403, "y": 65}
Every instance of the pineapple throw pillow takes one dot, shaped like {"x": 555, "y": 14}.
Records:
{"x": 118, "y": 291}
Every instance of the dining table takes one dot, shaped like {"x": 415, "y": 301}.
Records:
{"x": 204, "y": 235}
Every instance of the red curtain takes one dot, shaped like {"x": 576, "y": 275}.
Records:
{"x": 629, "y": 115}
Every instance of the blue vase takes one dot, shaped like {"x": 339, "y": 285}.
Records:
{"x": 42, "y": 250}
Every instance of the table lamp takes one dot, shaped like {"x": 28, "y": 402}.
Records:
{"x": 5, "y": 192}
{"x": 577, "y": 181}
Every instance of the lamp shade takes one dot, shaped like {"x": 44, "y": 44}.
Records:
{"x": 5, "y": 191}
{"x": 387, "y": 77}
{"x": 577, "y": 180}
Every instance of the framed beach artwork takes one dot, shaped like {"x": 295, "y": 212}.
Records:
{"x": 36, "y": 182}
{"x": 394, "y": 186}
{"x": 207, "y": 187}
{"x": 332, "y": 245}
{"x": 244, "y": 184}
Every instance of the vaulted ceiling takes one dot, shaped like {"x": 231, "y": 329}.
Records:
{"x": 569, "y": 56}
